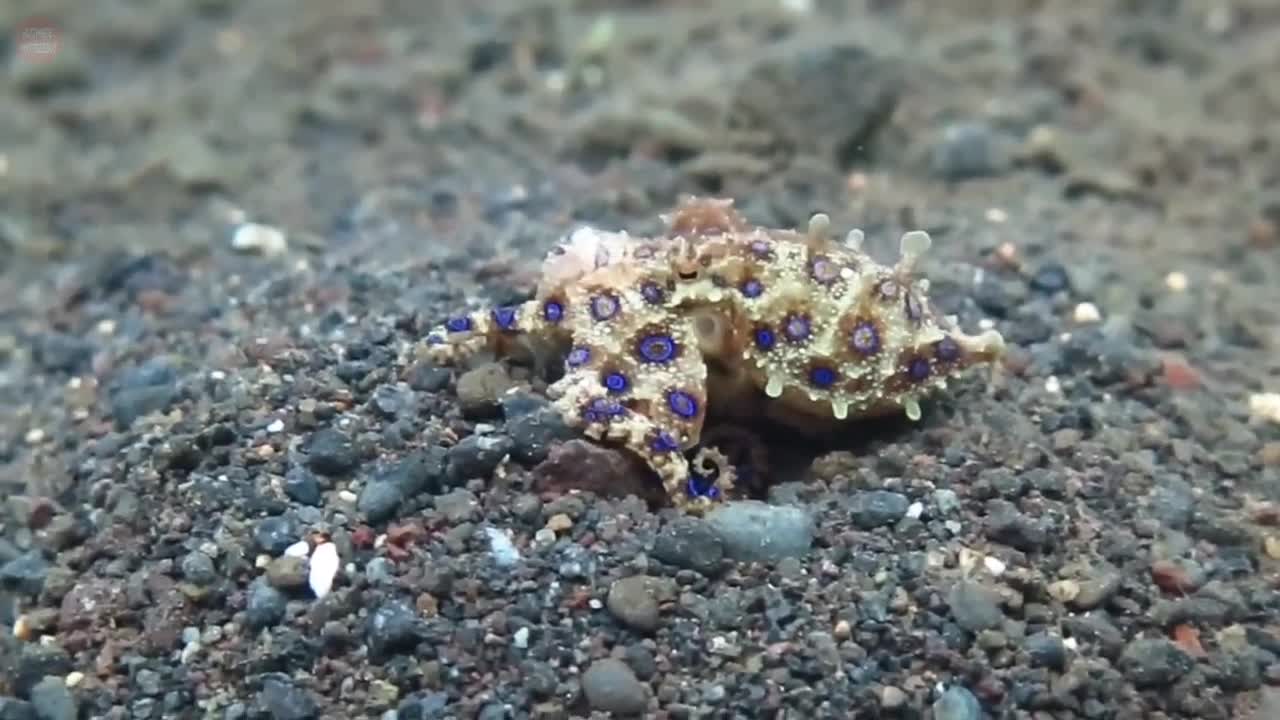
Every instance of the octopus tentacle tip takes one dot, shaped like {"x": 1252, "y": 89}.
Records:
{"x": 653, "y": 329}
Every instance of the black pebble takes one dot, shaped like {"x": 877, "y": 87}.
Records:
{"x": 1051, "y": 278}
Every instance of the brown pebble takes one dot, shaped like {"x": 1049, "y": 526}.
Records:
{"x": 559, "y": 522}
{"x": 1269, "y": 455}
{"x": 287, "y": 572}
{"x": 480, "y": 390}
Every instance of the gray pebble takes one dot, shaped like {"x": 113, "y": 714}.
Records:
{"x": 476, "y": 456}
{"x": 946, "y": 500}
{"x": 25, "y": 573}
{"x": 331, "y": 452}
{"x": 198, "y": 569}
{"x": 148, "y": 682}
{"x": 534, "y": 433}
{"x": 610, "y": 686}
{"x": 273, "y": 535}
{"x": 391, "y": 628}
{"x": 1154, "y": 662}
{"x": 968, "y": 150}
{"x": 12, "y": 708}
{"x": 974, "y": 607}
{"x": 957, "y": 703}
{"x": 1045, "y": 650}
{"x": 51, "y": 700}
{"x": 283, "y": 700}
{"x": 634, "y": 601}
{"x": 877, "y": 508}
{"x": 301, "y": 486}
{"x": 379, "y": 500}
{"x": 690, "y": 543}
{"x": 379, "y": 571}
{"x": 892, "y": 698}
{"x": 265, "y": 605}
{"x": 753, "y": 531}
{"x": 420, "y": 471}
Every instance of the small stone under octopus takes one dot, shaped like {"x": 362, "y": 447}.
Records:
{"x": 717, "y": 309}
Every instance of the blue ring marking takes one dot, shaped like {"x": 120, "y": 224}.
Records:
{"x": 604, "y": 307}
{"x": 656, "y": 348}
{"x": 822, "y": 376}
{"x": 765, "y": 338}
{"x": 865, "y": 338}
{"x": 797, "y": 327}
{"x": 664, "y": 442}
{"x": 504, "y": 317}
{"x": 918, "y": 369}
{"x": 947, "y": 349}
{"x": 578, "y": 356}
{"x": 602, "y": 410}
{"x": 752, "y": 288}
{"x": 615, "y": 382}
{"x": 682, "y": 403}
{"x": 698, "y": 486}
{"x": 462, "y": 323}
{"x": 652, "y": 293}
{"x": 553, "y": 311}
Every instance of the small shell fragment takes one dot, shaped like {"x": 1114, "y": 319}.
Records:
{"x": 324, "y": 567}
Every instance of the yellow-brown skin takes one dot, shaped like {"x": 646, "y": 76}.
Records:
{"x": 733, "y": 299}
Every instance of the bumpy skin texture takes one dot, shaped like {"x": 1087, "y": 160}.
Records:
{"x": 649, "y": 328}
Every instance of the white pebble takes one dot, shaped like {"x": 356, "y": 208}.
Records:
{"x": 299, "y": 549}
{"x": 520, "y": 638}
{"x": 1266, "y": 406}
{"x": 324, "y": 567}
{"x": 1087, "y": 312}
{"x": 503, "y": 551}
{"x": 262, "y": 239}
{"x": 276, "y": 426}
{"x": 1052, "y": 385}
{"x": 74, "y": 678}
{"x": 915, "y": 510}
{"x": 1176, "y": 281}
{"x": 995, "y": 566}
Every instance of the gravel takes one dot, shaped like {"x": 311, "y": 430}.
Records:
{"x": 1090, "y": 532}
